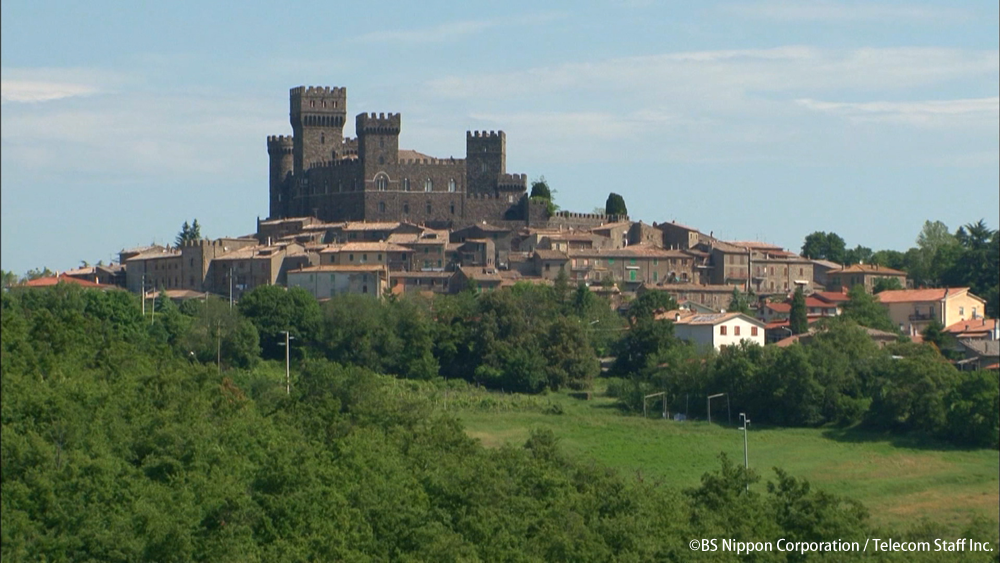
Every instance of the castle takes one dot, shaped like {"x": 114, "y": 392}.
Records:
{"x": 317, "y": 172}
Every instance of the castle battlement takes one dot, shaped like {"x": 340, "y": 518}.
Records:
{"x": 280, "y": 144}
{"x": 484, "y": 134}
{"x": 433, "y": 161}
{"x": 377, "y": 123}
{"x": 318, "y": 91}
{"x": 592, "y": 216}
{"x": 334, "y": 163}
{"x": 517, "y": 182}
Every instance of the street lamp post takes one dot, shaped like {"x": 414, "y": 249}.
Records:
{"x": 710, "y": 397}
{"x": 288, "y": 375}
{"x": 746, "y": 459}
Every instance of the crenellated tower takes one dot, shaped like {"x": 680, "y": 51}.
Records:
{"x": 485, "y": 160}
{"x": 280, "y": 150}
{"x": 318, "y": 115}
{"x": 378, "y": 139}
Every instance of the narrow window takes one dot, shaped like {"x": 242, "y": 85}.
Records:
{"x": 451, "y": 185}
{"x": 722, "y": 330}
{"x": 736, "y": 331}
{"x": 406, "y": 184}
{"x": 381, "y": 183}
{"x": 753, "y": 331}
{"x": 428, "y": 208}
{"x": 428, "y": 185}
{"x": 381, "y": 207}
{"x": 322, "y": 138}
{"x": 453, "y": 209}
{"x": 406, "y": 209}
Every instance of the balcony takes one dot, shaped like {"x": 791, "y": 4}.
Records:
{"x": 922, "y": 317}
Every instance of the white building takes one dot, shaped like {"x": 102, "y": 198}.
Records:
{"x": 328, "y": 281}
{"x": 717, "y": 330}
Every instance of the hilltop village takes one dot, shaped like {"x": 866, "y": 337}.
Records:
{"x": 362, "y": 215}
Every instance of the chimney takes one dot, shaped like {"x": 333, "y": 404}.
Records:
{"x": 677, "y": 317}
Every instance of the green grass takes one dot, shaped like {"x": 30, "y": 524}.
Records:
{"x": 900, "y": 480}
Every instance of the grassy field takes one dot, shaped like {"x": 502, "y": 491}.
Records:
{"x": 900, "y": 480}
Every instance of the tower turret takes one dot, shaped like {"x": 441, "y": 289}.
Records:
{"x": 378, "y": 138}
{"x": 280, "y": 149}
{"x": 485, "y": 160}
{"x": 318, "y": 114}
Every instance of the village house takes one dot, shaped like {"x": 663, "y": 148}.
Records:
{"x": 716, "y": 297}
{"x": 420, "y": 282}
{"x": 326, "y": 281}
{"x": 383, "y": 254}
{"x": 242, "y": 270}
{"x": 974, "y": 329}
{"x": 716, "y": 330}
{"x": 862, "y": 274}
{"x": 912, "y": 310}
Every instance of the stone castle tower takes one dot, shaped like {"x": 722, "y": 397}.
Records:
{"x": 318, "y": 172}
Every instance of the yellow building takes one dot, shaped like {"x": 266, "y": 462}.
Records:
{"x": 913, "y": 309}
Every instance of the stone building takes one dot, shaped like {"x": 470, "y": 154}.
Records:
{"x": 317, "y": 172}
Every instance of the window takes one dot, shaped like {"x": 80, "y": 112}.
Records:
{"x": 428, "y": 208}
{"x": 656, "y": 262}
{"x": 656, "y": 276}
{"x": 381, "y": 160}
{"x": 611, "y": 261}
{"x": 453, "y": 209}
{"x": 350, "y": 257}
{"x": 753, "y": 331}
{"x": 961, "y": 311}
{"x": 736, "y": 331}
{"x": 381, "y": 207}
{"x": 406, "y": 209}
{"x": 631, "y": 261}
{"x": 428, "y": 185}
{"x": 381, "y": 143}
{"x": 451, "y": 185}
{"x": 631, "y": 275}
{"x": 381, "y": 182}
{"x": 322, "y": 138}
{"x": 406, "y": 184}
{"x": 722, "y": 330}
{"x": 379, "y": 257}
{"x": 801, "y": 272}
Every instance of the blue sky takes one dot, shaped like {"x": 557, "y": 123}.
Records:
{"x": 758, "y": 120}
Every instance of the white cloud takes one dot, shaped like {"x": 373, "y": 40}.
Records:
{"x": 728, "y": 75}
{"x": 452, "y": 31}
{"x": 30, "y": 91}
{"x": 830, "y": 11}
{"x": 929, "y": 112}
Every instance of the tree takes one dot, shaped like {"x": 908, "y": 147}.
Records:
{"x": 798, "y": 320}
{"x": 10, "y": 279}
{"x": 740, "y": 302}
{"x": 936, "y": 335}
{"x": 858, "y": 255}
{"x": 886, "y": 284}
{"x": 540, "y": 189}
{"x": 189, "y": 233}
{"x": 273, "y": 309}
{"x": 649, "y": 303}
{"x": 824, "y": 246}
{"x": 540, "y": 192}
{"x": 615, "y": 205}
{"x": 866, "y": 310}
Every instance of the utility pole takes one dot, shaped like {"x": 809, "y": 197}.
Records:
{"x": 746, "y": 459}
{"x": 230, "y": 288}
{"x": 288, "y": 373}
{"x": 218, "y": 352}
{"x": 142, "y": 291}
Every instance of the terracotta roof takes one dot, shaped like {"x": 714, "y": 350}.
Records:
{"x": 421, "y": 275}
{"x": 832, "y": 296}
{"x": 689, "y": 287}
{"x": 676, "y": 224}
{"x": 365, "y": 246}
{"x": 63, "y": 278}
{"x": 973, "y": 327}
{"x": 366, "y": 226}
{"x": 756, "y": 245}
{"x": 155, "y": 254}
{"x": 339, "y": 268}
{"x": 407, "y": 154}
{"x": 632, "y": 251}
{"x": 828, "y": 264}
{"x": 919, "y": 295}
{"x": 700, "y": 319}
{"x": 608, "y": 226}
{"x": 551, "y": 254}
{"x": 867, "y": 269}
{"x": 480, "y": 274}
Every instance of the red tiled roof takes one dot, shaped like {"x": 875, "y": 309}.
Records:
{"x": 832, "y": 296}
{"x": 866, "y": 269}
{"x": 63, "y": 278}
{"x": 918, "y": 295}
{"x": 972, "y": 326}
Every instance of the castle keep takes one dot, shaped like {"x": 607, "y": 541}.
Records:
{"x": 318, "y": 172}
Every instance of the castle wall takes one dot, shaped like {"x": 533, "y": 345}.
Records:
{"x": 486, "y": 160}
{"x": 317, "y": 115}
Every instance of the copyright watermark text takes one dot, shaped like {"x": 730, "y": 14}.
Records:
{"x": 870, "y": 544}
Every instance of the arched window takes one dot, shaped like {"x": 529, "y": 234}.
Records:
{"x": 451, "y": 185}
{"x": 381, "y": 182}
{"x": 428, "y": 185}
